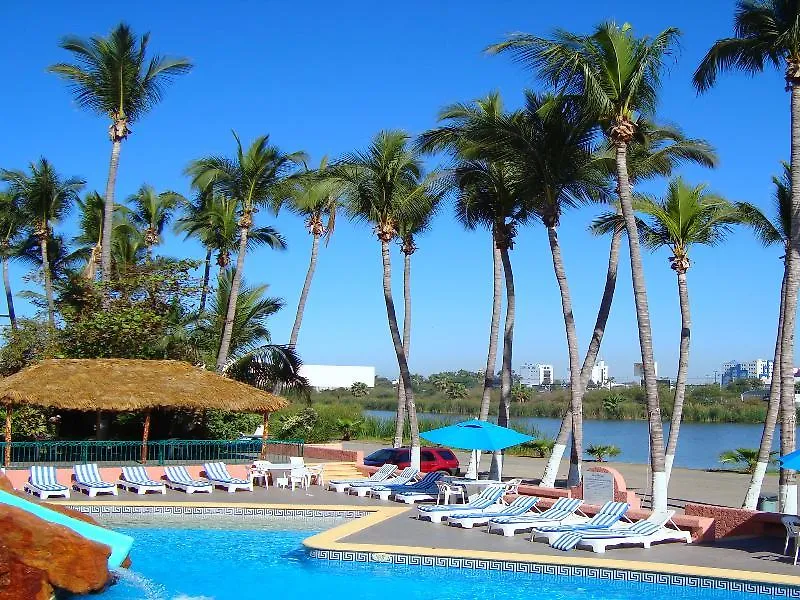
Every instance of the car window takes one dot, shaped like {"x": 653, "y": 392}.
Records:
{"x": 427, "y": 456}
{"x": 401, "y": 455}
{"x": 380, "y": 456}
{"x": 447, "y": 455}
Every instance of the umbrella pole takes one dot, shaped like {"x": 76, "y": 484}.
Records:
{"x": 7, "y": 457}
{"x": 145, "y": 435}
{"x": 264, "y": 433}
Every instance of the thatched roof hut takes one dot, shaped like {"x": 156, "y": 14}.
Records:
{"x": 116, "y": 384}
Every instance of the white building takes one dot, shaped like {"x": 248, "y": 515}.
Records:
{"x": 755, "y": 369}
{"x": 329, "y": 377}
{"x": 599, "y": 374}
{"x": 536, "y": 374}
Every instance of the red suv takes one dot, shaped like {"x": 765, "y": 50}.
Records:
{"x": 431, "y": 459}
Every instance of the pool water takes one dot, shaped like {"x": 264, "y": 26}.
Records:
{"x": 189, "y": 561}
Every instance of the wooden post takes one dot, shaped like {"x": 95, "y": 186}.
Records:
{"x": 7, "y": 457}
{"x": 145, "y": 435}
{"x": 264, "y": 433}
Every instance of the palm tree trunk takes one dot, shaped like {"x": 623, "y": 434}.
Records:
{"x": 491, "y": 358}
{"x": 108, "y": 214}
{"x": 576, "y": 385}
{"x": 657, "y": 464}
{"x": 12, "y": 316}
{"x": 206, "y": 278}
{"x": 405, "y": 374}
{"x": 771, "y": 420}
{"x": 301, "y": 305}
{"x": 400, "y": 418}
{"x": 787, "y": 493}
{"x": 48, "y": 283}
{"x": 227, "y": 330}
{"x": 551, "y": 471}
{"x": 683, "y": 369}
{"x": 505, "y": 373}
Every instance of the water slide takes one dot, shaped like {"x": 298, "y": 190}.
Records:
{"x": 119, "y": 543}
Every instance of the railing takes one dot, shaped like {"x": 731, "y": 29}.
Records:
{"x": 159, "y": 452}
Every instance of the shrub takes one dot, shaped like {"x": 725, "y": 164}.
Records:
{"x": 602, "y": 451}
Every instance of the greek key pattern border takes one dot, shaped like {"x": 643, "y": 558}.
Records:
{"x": 559, "y": 570}
{"x": 101, "y": 510}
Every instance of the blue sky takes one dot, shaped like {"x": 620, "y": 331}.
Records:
{"x": 325, "y": 77}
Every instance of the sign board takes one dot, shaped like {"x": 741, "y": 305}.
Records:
{"x": 598, "y": 487}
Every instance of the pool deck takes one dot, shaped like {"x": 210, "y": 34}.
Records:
{"x": 391, "y": 529}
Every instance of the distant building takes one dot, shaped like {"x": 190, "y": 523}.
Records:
{"x": 755, "y": 369}
{"x": 599, "y": 374}
{"x": 536, "y": 374}
{"x": 329, "y": 377}
{"x": 638, "y": 369}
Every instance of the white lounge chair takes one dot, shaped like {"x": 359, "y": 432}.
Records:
{"x": 564, "y": 510}
{"x": 609, "y": 515}
{"x": 217, "y": 474}
{"x": 519, "y": 506}
{"x": 489, "y": 500}
{"x": 382, "y": 474}
{"x": 644, "y": 533}
{"x": 87, "y": 479}
{"x": 363, "y": 489}
{"x": 136, "y": 479}
{"x": 42, "y": 482}
{"x": 424, "y": 490}
{"x": 178, "y": 478}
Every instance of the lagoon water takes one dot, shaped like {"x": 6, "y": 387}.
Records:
{"x": 699, "y": 446}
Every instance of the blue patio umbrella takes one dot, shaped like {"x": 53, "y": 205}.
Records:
{"x": 790, "y": 461}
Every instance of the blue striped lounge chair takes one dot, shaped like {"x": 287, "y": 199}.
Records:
{"x": 217, "y": 474}
{"x": 384, "y": 490}
{"x": 519, "y": 506}
{"x": 562, "y": 511}
{"x": 610, "y": 514}
{"x": 642, "y": 533}
{"x": 86, "y": 478}
{"x": 425, "y": 490}
{"x": 363, "y": 488}
{"x": 137, "y": 479}
{"x": 42, "y": 482}
{"x": 379, "y": 476}
{"x": 178, "y": 478}
{"x": 489, "y": 500}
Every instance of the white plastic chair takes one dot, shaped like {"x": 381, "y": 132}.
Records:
{"x": 297, "y": 461}
{"x": 512, "y": 486}
{"x": 792, "y": 525}
{"x": 296, "y": 477}
{"x": 446, "y": 490}
{"x": 316, "y": 474}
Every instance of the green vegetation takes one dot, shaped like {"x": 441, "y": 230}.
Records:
{"x": 747, "y": 458}
{"x": 602, "y": 451}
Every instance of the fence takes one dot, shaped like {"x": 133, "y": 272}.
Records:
{"x": 159, "y": 452}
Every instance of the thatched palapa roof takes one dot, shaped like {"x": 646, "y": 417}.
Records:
{"x": 116, "y": 384}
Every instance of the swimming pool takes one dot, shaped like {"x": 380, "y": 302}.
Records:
{"x": 246, "y": 558}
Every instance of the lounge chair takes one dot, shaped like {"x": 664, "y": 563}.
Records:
{"x": 136, "y": 479}
{"x": 383, "y": 491}
{"x": 610, "y": 514}
{"x": 42, "y": 482}
{"x": 519, "y": 506}
{"x": 217, "y": 474}
{"x": 87, "y": 479}
{"x": 563, "y": 511}
{"x": 178, "y": 478}
{"x": 489, "y": 500}
{"x": 642, "y": 533}
{"x": 382, "y": 474}
{"x": 363, "y": 489}
{"x": 425, "y": 490}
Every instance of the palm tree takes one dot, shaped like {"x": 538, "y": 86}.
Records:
{"x": 550, "y": 146}
{"x": 478, "y": 204}
{"x": 771, "y": 232}
{"x": 747, "y": 457}
{"x": 251, "y": 180}
{"x": 768, "y": 31}
{"x": 197, "y": 223}
{"x": 687, "y": 216}
{"x": 152, "y": 212}
{"x": 618, "y": 76}
{"x": 656, "y": 151}
{"x": 45, "y": 197}
{"x": 408, "y": 227}
{"x": 12, "y": 228}
{"x": 113, "y": 76}
{"x": 383, "y": 185}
